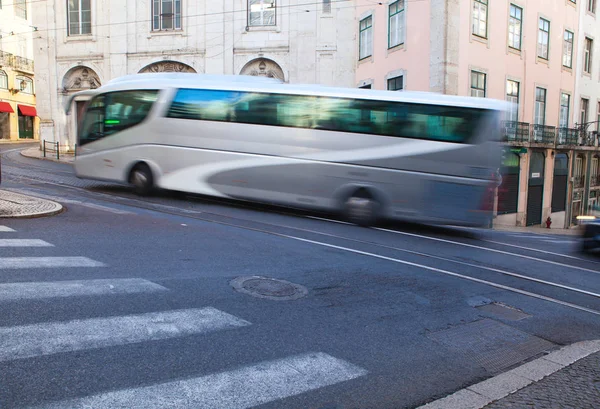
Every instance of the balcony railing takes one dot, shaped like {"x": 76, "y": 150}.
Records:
{"x": 543, "y": 134}
{"x": 23, "y": 64}
{"x": 589, "y": 138}
{"x": 515, "y": 131}
{"x": 579, "y": 181}
{"x": 5, "y": 58}
{"x": 567, "y": 136}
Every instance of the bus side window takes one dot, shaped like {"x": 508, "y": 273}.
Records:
{"x": 92, "y": 126}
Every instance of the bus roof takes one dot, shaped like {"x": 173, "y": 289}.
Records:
{"x": 261, "y": 84}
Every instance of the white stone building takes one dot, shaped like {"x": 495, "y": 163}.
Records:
{"x": 85, "y": 43}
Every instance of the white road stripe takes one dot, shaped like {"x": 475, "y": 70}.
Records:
{"x": 58, "y": 289}
{"x": 57, "y": 337}
{"x": 5, "y": 229}
{"x": 491, "y": 250}
{"x": 237, "y": 389}
{"x": 438, "y": 270}
{"x": 47, "y": 262}
{"x": 24, "y": 243}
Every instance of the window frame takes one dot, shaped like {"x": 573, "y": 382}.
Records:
{"x": 568, "y": 48}
{"x": 80, "y": 22}
{"x": 510, "y": 95}
{"x": 249, "y": 6}
{"x": 562, "y": 124}
{"x": 511, "y": 20}
{"x": 541, "y": 32}
{"x": 366, "y": 30}
{"x": 3, "y": 74}
{"x": 477, "y": 88}
{"x": 394, "y": 80}
{"x": 588, "y": 55}
{"x": 326, "y": 7}
{"x": 400, "y": 26}
{"x": 538, "y": 104}
{"x": 477, "y": 6}
{"x": 591, "y": 6}
{"x": 20, "y": 7}
{"x": 583, "y": 113}
{"x": 159, "y": 17}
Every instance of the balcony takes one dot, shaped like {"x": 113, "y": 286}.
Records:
{"x": 567, "y": 136}
{"x": 515, "y": 131}
{"x": 579, "y": 181}
{"x": 543, "y": 134}
{"x": 5, "y": 58}
{"x": 23, "y": 64}
{"x": 589, "y": 138}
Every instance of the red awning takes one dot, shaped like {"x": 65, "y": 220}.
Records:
{"x": 5, "y": 107}
{"x": 27, "y": 110}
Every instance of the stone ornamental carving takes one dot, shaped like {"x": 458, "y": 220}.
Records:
{"x": 167, "y": 66}
{"x": 262, "y": 67}
{"x": 79, "y": 79}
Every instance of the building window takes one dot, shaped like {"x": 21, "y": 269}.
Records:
{"x": 515, "y": 23}
{"x": 3, "y": 80}
{"x": 366, "y": 38}
{"x": 24, "y": 84}
{"x": 512, "y": 96}
{"x": 543, "y": 38}
{"x": 261, "y": 13}
{"x": 166, "y": 15}
{"x": 478, "y": 84}
{"x": 591, "y": 6}
{"x": 568, "y": 49}
{"x": 396, "y": 24}
{"x": 327, "y": 6}
{"x": 598, "y": 118}
{"x": 80, "y": 17}
{"x": 480, "y": 11}
{"x": 395, "y": 84}
{"x": 21, "y": 8}
{"x": 585, "y": 103}
{"x": 565, "y": 103}
{"x": 540, "y": 107}
{"x": 587, "y": 56}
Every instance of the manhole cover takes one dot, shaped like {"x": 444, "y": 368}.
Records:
{"x": 269, "y": 288}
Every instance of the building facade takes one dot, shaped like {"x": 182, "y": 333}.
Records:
{"x": 18, "y": 117}
{"x": 85, "y": 43}
{"x": 539, "y": 54}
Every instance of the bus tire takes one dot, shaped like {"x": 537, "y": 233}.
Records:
{"x": 361, "y": 208}
{"x": 142, "y": 179}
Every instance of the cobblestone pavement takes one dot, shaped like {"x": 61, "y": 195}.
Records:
{"x": 574, "y": 387}
{"x": 18, "y": 205}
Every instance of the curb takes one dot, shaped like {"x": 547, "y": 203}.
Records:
{"x": 481, "y": 394}
{"x": 39, "y": 157}
{"x": 51, "y": 208}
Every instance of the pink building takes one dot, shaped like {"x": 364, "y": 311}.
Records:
{"x": 523, "y": 51}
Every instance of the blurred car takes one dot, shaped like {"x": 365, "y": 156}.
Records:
{"x": 591, "y": 232}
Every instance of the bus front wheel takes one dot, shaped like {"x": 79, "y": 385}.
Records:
{"x": 142, "y": 180}
{"x": 362, "y": 209}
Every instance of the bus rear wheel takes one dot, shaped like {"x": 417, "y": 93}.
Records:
{"x": 362, "y": 209}
{"x": 142, "y": 180}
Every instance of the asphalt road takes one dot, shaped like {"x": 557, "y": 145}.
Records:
{"x": 128, "y": 302}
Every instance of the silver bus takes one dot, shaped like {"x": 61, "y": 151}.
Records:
{"x": 366, "y": 154}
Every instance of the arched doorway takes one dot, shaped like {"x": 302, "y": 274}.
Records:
{"x": 77, "y": 79}
{"x": 263, "y": 67}
{"x": 167, "y": 66}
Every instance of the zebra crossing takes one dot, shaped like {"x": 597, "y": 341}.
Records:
{"x": 242, "y": 387}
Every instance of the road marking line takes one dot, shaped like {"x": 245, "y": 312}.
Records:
{"x": 438, "y": 270}
{"x": 78, "y": 288}
{"x": 491, "y": 250}
{"x": 47, "y": 262}
{"x": 24, "y": 243}
{"x": 58, "y": 337}
{"x": 5, "y": 229}
{"x": 327, "y": 220}
{"x": 241, "y": 388}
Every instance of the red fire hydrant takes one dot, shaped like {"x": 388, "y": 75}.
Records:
{"x": 548, "y": 222}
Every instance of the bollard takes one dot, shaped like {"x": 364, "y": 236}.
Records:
{"x": 44, "y": 145}
{"x": 57, "y": 151}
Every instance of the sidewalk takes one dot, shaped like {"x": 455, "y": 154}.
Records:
{"x": 567, "y": 378}
{"x": 36, "y": 153}
{"x": 574, "y": 231}
{"x": 16, "y": 205}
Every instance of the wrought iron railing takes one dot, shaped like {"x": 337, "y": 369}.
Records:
{"x": 23, "y": 64}
{"x": 595, "y": 180}
{"x": 5, "y": 58}
{"x": 567, "y": 136}
{"x": 589, "y": 138}
{"x": 579, "y": 181}
{"x": 543, "y": 134}
{"x": 515, "y": 131}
